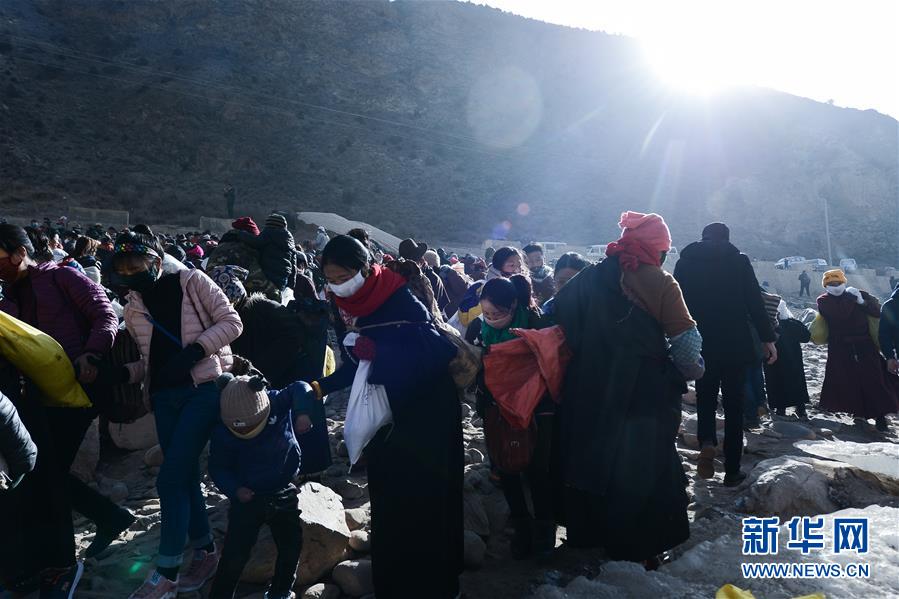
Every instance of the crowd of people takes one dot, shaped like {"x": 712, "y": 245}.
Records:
{"x": 579, "y": 370}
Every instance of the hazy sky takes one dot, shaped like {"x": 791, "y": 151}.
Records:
{"x": 844, "y": 50}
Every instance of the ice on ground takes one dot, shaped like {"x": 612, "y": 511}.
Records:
{"x": 709, "y": 565}
{"x": 880, "y": 458}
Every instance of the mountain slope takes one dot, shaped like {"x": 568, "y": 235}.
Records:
{"x": 432, "y": 119}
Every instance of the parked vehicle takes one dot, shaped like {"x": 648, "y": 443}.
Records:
{"x": 848, "y": 265}
{"x": 819, "y": 265}
{"x": 788, "y": 262}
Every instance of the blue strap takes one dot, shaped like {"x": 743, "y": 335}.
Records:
{"x": 164, "y": 330}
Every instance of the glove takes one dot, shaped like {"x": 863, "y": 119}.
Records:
{"x": 109, "y": 375}
{"x": 179, "y": 366}
{"x": 858, "y": 294}
{"x": 365, "y": 348}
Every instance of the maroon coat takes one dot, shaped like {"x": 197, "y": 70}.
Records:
{"x": 856, "y": 380}
{"x": 71, "y": 308}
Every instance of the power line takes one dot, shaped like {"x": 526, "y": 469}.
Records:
{"x": 256, "y": 106}
{"x": 81, "y": 55}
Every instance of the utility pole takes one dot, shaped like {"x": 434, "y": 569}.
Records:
{"x": 827, "y": 232}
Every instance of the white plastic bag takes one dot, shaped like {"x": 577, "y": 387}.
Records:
{"x": 368, "y": 410}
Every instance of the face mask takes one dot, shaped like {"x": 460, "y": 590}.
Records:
{"x": 500, "y": 323}
{"x": 349, "y": 288}
{"x": 837, "y": 290}
{"x": 141, "y": 282}
{"x": 9, "y": 272}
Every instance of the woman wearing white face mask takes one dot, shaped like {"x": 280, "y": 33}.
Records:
{"x": 856, "y": 380}
{"x": 508, "y": 304}
{"x": 415, "y": 464}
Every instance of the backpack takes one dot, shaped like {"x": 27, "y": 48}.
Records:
{"x": 122, "y": 404}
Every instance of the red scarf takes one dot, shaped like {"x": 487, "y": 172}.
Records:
{"x": 643, "y": 239}
{"x": 380, "y": 285}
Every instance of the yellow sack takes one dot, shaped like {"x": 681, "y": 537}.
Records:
{"x": 874, "y": 330}
{"x": 330, "y": 361}
{"x": 819, "y": 331}
{"x": 42, "y": 360}
{"x": 729, "y": 591}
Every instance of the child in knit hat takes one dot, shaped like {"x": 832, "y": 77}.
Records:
{"x": 253, "y": 459}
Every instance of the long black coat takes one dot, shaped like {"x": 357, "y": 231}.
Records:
{"x": 722, "y": 293}
{"x": 620, "y": 414}
{"x": 415, "y": 465}
{"x": 785, "y": 379}
{"x": 285, "y": 349}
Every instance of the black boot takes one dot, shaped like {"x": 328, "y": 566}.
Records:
{"x": 544, "y": 537}
{"x": 105, "y": 536}
{"x": 521, "y": 544}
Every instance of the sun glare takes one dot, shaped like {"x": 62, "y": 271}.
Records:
{"x": 692, "y": 64}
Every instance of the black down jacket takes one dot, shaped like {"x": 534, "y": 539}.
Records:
{"x": 16, "y": 445}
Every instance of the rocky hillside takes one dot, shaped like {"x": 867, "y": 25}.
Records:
{"x": 433, "y": 119}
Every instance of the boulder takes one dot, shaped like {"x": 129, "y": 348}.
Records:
{"x": 475, "y": 516}
{"x": 475, "y": 550}
{"x": 153, "y": 456}
{"x": 325, "y": 538}
{"x": 140, "y": 434}
{"x": 360, "y": 541}
{"x": 85, "y": 464}
{"x": 792, "y": 430}
{"x": 354, "y": 577}
{"x": 322, "y": 591}
{"x": 357, "y": 518}
{"x": 115, "y": 490}
{"x": 799, "y": 486}
{"x": 473, "y": 456}
{"x": 788, "y": 486}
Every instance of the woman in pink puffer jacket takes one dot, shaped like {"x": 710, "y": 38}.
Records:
{"x": 182, "y": 324}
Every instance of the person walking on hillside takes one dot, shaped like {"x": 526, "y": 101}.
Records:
{"x": 182, "y": 324}
{"x": 77, "y": 313}
{"x": 277, "y": 253}
{"x": 455, "y": 284}
{"x": 723, "y": 294}
{"x": 541, "y": 274}
{"x": 785, "y": 379}
{"x": 634, "y": 345}
{"x": 508, "y": 304}
{"x": 888, "y": 332}
{"x": 230, "y": 196}
{"x": 855, "y": 378}
{"x": 415, "y": 252}
{"x": 415, "y": 465}
{"x": 804, "y": 281}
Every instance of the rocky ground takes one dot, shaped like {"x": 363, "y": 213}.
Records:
{"x": 796, "y": 468}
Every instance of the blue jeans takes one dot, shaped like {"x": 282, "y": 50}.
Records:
{"x": 754, "y": 393}
{"x": 185, "y": 417}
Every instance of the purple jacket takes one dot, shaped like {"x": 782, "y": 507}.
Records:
{"x": 70, "y": 308}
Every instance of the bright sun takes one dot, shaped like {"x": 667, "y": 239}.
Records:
{"x": 694, "y": 64}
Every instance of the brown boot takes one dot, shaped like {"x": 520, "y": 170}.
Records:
{"x": 705, "y": 467}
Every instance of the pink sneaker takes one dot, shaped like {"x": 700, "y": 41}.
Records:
{"x": 156, "y": 586}
{"x": 202, "y": 567}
